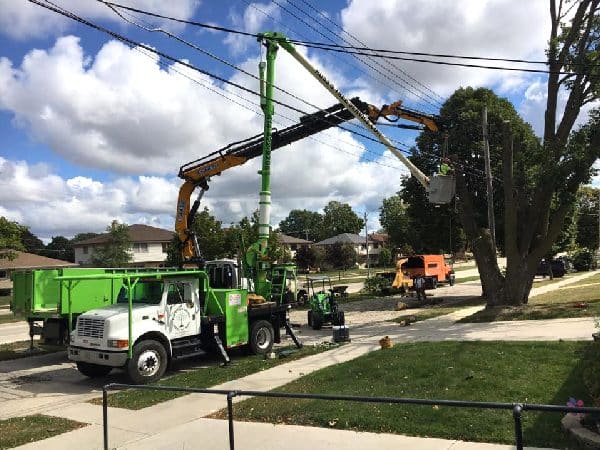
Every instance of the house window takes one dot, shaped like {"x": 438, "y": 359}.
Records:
{"x": 375, "y": 245}
{"x": 140, "y": 247}
{"x": 3, "y": 274}
{"x": 293, "y": 246}
{"x": 165, "y": 247}
{"x": 85, "y": 249}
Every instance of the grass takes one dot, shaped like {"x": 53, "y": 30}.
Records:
{"x": 10, "y": 318}
{"x": 16, "y": 350}
{"x": 22, "y": 430}
{"x": 565, "y": 302}
{"x": 465, "y": 279}
{"x": 202, "y": 378}
{"x": 531, "y": 372}
{"x": 428, "y": 314}
{"x": 460, "y": 269}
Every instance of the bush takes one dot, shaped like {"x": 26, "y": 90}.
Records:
{"x": 385, "y": 257}
{"x": 591, "y": 372}
{"x": 583, "y": 259}
{"x": 377, "y": 285}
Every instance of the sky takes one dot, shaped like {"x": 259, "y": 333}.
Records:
{"x": 94, "y": 130}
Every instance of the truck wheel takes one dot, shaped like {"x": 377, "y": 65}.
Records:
{"x": 317, "y": 321}
{"x": 148, "y": 362}
{"x": 261, "y": 337}
{"x": 452, "y": 280}
{"x": 310, "y": 318}
{"x": 93, "y": 370}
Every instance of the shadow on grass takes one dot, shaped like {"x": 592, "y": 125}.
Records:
{"x": 543, "y": 428}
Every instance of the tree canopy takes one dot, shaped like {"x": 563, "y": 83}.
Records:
{"x": 10, "y": 238}
{"x": 116, "y": 252}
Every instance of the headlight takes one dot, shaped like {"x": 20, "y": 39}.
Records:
{"x": 118, "y": 343}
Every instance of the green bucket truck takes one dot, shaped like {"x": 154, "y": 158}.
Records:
{"x": 164, "y": 316}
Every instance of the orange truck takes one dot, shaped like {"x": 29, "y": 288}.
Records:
{"x": 432, "y": 268}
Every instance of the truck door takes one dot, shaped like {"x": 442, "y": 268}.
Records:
{"x": 183, "y": 309}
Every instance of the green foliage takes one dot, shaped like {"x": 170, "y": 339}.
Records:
{"x": 277, "y": 251}
{"x": 210, "y": 235}
{"x": 591, "y": 372}
{"x": 340, "y": 218}
{"x": 59, "y": 248}
{"x": 309, "y": 257}
{"x": 10, "y": 238}
{"x": 588, "y": 213}
{"x": 340, "y": 256}
{"x": 117, "y": 251}
{"x": 303, "y": 224}
{"x": 395, "y": 220}
{"x": 583, "y": 259}
{"x": 385, "y": 257}
{"x": 377, "y": 285}
{"x": 31, "y": 243}
{"x": 174, "y": 258}
{"x": 83, "y": 236}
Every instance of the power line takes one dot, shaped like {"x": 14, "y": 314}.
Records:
{"x": 385, "y": 75}
{"x": 63, "y": 12}
{"x": 362, "y": 43}
{"x": 361, "y": 50}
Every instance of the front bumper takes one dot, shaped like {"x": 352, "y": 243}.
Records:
{"x": 101, "y": 357}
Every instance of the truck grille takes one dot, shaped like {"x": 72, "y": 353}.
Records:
{"x": 90, "y": 327}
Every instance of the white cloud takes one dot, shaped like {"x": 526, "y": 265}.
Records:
{"x": 22, "y": 20}
{"x": 252, "y": 20}
{"x": 501, "y": 28}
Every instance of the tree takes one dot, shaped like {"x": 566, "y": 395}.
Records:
{"x": 588, "y": 213}
{"x": 385, "y": 257}
{"x": 83, "y": 236}
{"x": 210, "y": 235}
{"x": 340, "y": 218}
{"x": 174, "y": 258}
{"x": 31, "y": 243}
{"x": 309, "y": 257}
{"x": 10, "y": 238}
{"x": 340, "y": 256}
{"x": 395, "y": 221}
{"x": 539, "y": 179}
{"x": 116, "y": 252}
{"x": 303, "y": 224}
{"x": 59, "y": 248}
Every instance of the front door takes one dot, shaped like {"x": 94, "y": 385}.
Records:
{"x": 183, "y": 310}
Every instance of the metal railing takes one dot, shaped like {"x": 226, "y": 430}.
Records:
{"x": 516, "y": 408}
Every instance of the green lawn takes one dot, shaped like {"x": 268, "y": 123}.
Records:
{"x": 460, "y": 269}
{"x": 569, "y": 301}
{"x": 22, "y": 430}
{"x": 9, "y": 318}
{"x": 15, "y": 350}
{"x": 211, "y": 375}
{"x": 465, "y": 279}
{"x": 428, "y": 314}
{"x": 531, "y": 372}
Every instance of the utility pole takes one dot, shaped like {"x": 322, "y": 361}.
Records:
{"x": 599, "y": 223}
{"x": 488, "y": 177}
{"x": 367, "y": 246}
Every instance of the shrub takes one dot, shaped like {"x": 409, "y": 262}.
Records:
{"x": 583, "y": 259}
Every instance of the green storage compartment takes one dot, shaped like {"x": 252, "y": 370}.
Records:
{"x": 234, "y": 303}
{"x": 86, "y": 295}
{"x": 22, "y": 292}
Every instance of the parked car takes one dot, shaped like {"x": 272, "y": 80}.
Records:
{"x": 551, "y": 268}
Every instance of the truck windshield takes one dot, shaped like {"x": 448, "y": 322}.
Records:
{"x": 145, "y": 291}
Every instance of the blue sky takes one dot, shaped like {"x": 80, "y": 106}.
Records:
{"x": 93, "y": 130}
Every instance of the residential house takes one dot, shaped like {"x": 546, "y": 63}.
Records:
{"x": 149, "y": 246}
{"x": 26, "y": 261}
{"x": 292, "y": 244}
{"x": 359, "y": 243}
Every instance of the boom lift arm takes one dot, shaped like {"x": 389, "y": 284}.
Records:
{"x": 197, "y": 173}
{"x": 441, "y": 191}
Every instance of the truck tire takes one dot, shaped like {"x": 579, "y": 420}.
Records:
{"x": 452, "y": 280}
{"x": 93, "y": 370}
{"x": 262, "y": 337}
{"x": 148, "y": 362}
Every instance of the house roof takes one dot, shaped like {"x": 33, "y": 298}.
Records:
{"x": 379, "y": 237}
{"x": 137, "y": 233}
{"x": 344, "y": 238}
{"x": 285, "y": 239}
{"x": 30, "y": 261}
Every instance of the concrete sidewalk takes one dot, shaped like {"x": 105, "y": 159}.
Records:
{"x": 180, "y": 423}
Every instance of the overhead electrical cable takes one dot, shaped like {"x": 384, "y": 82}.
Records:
{"x": 434, "y": 96}
{"x": 372, "y": 52}
{"x": 408, "y": 86}
{"x": 59, "y": 10}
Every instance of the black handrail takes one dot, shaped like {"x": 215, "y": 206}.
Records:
{"x": 517, "y": 408}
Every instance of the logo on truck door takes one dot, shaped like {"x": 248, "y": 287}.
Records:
{"x": 181, "y": 319}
